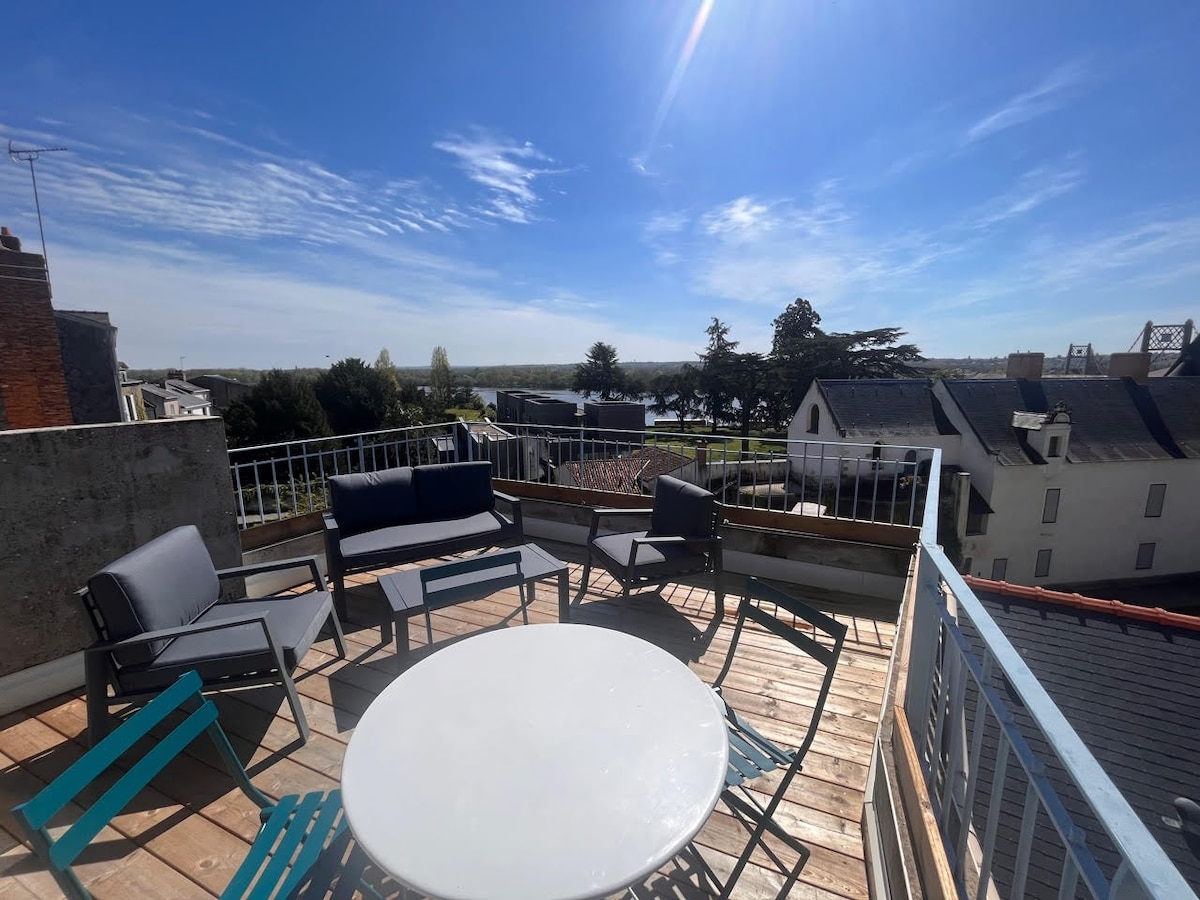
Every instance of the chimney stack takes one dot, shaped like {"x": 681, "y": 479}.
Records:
{"x": 8, "y": 240}
{"x": 1025, "y": 365}
{"x": 1130, "y": 365}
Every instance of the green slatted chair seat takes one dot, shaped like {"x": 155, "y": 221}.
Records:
{"x": 295, "y": 830}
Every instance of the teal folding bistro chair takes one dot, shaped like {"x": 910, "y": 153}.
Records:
{"x": 295, "y": 830}
{"x": 752, "y": 755}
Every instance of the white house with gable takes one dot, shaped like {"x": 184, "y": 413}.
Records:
{"x": 1060, "y": 480}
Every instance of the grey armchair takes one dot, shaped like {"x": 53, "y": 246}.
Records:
{"x": 683, "y": 539}
{"x": 157, "y": 613}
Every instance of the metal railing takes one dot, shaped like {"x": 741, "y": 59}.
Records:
{"x": 860, "y": 482}
{"x": 1022, "y": 805}
{"x": 290, "y": 478}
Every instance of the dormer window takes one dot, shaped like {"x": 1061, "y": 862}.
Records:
{"x": 1048, "y": 433}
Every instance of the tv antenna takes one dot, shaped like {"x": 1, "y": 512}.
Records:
{"x": 31, "y": 155}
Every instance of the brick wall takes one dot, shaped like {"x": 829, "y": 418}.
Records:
{"x": 33, "y": 387}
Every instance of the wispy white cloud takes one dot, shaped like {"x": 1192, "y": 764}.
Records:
{"x": 1162, "y": 248}
{"x": 1045, "y": 97}
{"x": 189, "y": 182}
{"x": 1034, "y": 188}
{"x": 506, "y": 169}
{"x": 742, "y": 218}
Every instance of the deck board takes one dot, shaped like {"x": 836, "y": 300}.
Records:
{"x": 186, "y": 833}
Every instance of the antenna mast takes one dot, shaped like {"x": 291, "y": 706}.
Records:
{"x": 30, "y": 155}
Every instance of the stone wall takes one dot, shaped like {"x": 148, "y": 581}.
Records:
{"x": 73, "y": 499}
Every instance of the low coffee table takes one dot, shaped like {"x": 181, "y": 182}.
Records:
{"x": 469, "y": 579}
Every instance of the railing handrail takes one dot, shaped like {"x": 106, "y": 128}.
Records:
{"x": 683, "y": 435}
{"x": 1147, "y": 859}
{"x": 338, "y": 437}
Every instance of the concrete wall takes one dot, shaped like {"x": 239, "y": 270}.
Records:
{"x": 73, "y": 499}
{"x": 867, "y": 570}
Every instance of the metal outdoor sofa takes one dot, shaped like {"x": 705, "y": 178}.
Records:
{"x": 413, "y": 513}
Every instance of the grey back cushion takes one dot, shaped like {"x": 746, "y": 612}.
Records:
{"x": 454, "y": 490}
{"x": 682, "y": 509}
{"x": 165, "y": 583}
{"x": 370, "y": 500}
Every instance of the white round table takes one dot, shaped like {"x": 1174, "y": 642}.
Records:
{"x": 546, "y": 761}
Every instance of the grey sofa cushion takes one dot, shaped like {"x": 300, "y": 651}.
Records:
{"x": 295, "y": 622}
{"x": 454, "y": 490}
{"x": 682, "y": 509}
{"x": 421, "y": 534}
{"x": 162, "y": 584}
{"x": 652, "y": 560}
{"x": 368, "y": 500}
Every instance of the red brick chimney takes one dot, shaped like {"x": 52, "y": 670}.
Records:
{"x": 33, "y": 388}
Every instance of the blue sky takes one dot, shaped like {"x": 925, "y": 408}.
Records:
{"x": 270, "y": 184}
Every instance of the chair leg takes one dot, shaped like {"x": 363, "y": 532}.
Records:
{"x": 428, "y": 628}
{"x": 719, "y": 593}
{"x": 339, "y": 594}
{"x": 339, "y": 639}
{"x": 587, "y": 571}
{"x": 96, "y": 688}
{"x": 289, "y": 688}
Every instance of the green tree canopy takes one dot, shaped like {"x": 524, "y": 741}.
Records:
{"x": 356, "y": 397}
{"x": 676, "y": 392}
{"x": 600, "y": 373}
{"x": 718, "y": 373}
{"x": 441, "y": 381}
{"x": 282, "y": 406}
{"x": 801, "y": 352}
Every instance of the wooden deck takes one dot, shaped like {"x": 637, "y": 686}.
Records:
{"x": 186, "y": 836}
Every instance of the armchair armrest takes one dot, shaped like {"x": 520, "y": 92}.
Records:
{"x": 166, "y": 634}
{"x": 279, "y": 565}
{"x": 604, "y": 512}
{"x": 514, "y": 505}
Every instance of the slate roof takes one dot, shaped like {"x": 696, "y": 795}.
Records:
{"x": 86, "y": 316}
{"x": 1112, "y": 419}
{"x": 899, "y": 406}
{"x": 160, "y": 393}
{"x": 1178, "y": 403}
{"x": 1127, "y": 678}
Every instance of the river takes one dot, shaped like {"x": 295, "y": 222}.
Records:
{"x": 489, "y": 396}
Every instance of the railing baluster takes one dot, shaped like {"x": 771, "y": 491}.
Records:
{"x": 1025, "y": 844}
{"x": 958, "y": 677}
{"x": 895, "y": 487}
{"x": 241, "y": 500}
{"x": 973, "y": 765}
{"x": 262, "y": 510}
{"x": 1069, "y": 880}
{"x": 993, "y": 817}
{"x": 291, "y": 483}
